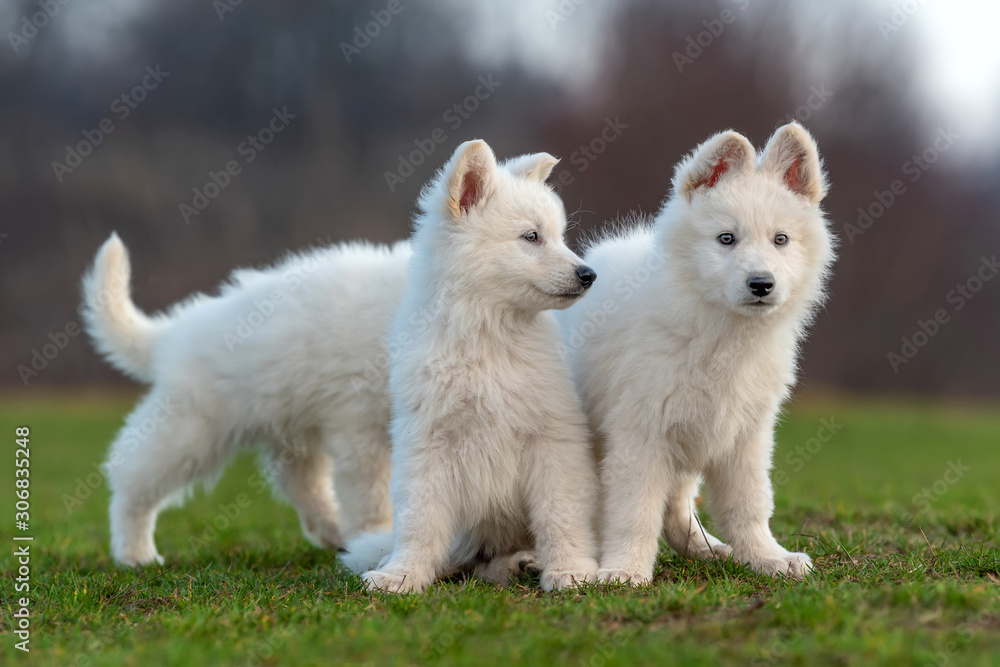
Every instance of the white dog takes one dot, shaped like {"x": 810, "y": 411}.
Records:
{"x": 686, "y": 349}
{"x": 287, "y": 357}
{"x": 491, "y": 453}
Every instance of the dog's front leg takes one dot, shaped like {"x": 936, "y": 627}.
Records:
{"x": 561, "y": 492}
{"x": 636, "y": 478}
{"x": 742, "y": 501}
{"x": 426, "y": 516}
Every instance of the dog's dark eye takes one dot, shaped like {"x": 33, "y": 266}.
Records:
{"x": 780, "y": 239}
{"x": 727, "y": 239}
{"x": 531, "y": 237}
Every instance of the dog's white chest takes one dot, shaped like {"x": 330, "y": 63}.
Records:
{"x": 713, "y": 407}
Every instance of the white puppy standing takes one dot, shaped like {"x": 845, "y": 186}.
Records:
{"x": 693, "y": 348}
{"x": 490, "y": 447}
{"x": 280, "y": 358}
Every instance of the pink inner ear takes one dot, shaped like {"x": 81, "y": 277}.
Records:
{"x": 472, "y": 187}
{"x": 717, "y": 171}
{"x": 792, "y": 178}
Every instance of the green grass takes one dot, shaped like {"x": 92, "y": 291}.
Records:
{"x": 898, "y": 581}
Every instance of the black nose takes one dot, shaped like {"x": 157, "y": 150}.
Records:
{"x": 761, "y": 285}
{"x": 586, "y": 275}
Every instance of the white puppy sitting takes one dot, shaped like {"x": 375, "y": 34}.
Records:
{"x": 490, "y": 447}
{"x": 693, "y": 347}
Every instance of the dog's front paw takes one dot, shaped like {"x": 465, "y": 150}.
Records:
{"x": 703, "y": 551}
{"x": 556, "y": 581}
{"x": 557, "y": 578}
{"x": 138, "y": 557}
{"x": 629, "y": 577}
{"x": 391, "y": 582}
{"x": 718, "y": 552}
{"x": 789, "y": 564}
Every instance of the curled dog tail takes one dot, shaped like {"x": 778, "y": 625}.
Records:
{"x": 122, "y": 333}
{"x": 367, "y": 551}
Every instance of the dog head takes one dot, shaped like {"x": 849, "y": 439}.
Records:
{"x": 498, "y": 229}
{"x": 747, "y": 231}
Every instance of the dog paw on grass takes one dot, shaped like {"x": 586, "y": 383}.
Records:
{"x": 390, "y": 582}
{"x": 624, "y": 577}
{"x": 558, "y": 579}
{"x": 793, "y": 565}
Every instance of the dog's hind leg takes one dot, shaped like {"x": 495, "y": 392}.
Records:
{"x": 361, "y": 477}
{"x": 303, "y": 470}
{"x": 683, "y": 530}
{"x": 499, "y": 549}
{"x": 164, "y": 447}
{"x": 500, "y": 569}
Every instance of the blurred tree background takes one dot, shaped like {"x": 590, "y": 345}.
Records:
{"x": 620, "y": 90}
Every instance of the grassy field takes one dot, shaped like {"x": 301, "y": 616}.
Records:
{"x": 897, "y": 508}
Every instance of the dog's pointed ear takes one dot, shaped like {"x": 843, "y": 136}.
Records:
{"x": 535, "y": 167}
{"x": 470, "y": 176}
{"x": 725, "y": 154}
{"x": 793, "y": 155}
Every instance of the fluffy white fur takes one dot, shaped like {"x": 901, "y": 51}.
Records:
{"x": 490, "y": 447}
{"x": 287, "y": 357}
{"x": 684, "y": 355}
